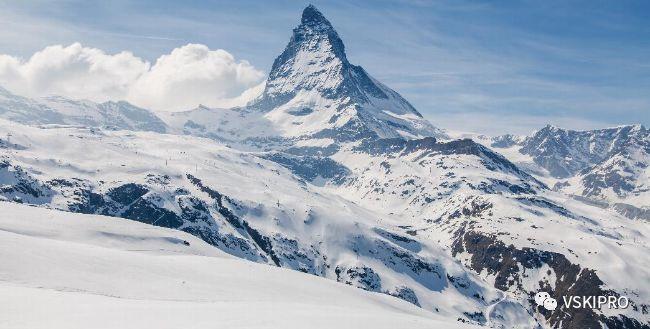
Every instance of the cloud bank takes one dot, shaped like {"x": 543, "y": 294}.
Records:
{"x": 188, "y": 76}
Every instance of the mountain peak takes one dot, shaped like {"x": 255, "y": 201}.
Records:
{"x": 317, "y": 34}
{"x": 314, "y": 59}
{"x": 312, "y": 88}
{"x": 311, "y": 16}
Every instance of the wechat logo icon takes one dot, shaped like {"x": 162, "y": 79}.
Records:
{"x": 544, "y": 299}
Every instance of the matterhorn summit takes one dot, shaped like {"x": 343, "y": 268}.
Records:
{"x": 313, "y": 90}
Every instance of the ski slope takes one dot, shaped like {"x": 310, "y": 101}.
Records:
{"x": 65, "y": 270}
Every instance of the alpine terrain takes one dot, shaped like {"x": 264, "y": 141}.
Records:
{"x": 606, "y": 167}
{"x": 330, "y": 173}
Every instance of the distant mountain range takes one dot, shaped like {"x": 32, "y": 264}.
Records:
{"x": 331, "y": 173}
{"x": 609, "y": 167}
{"x": 56, "y": 110}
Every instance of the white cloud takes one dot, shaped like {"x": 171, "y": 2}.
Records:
{"x": 194, "y": 74}
{"x": 190, "y": 75}
{"x": 73, "y": 71}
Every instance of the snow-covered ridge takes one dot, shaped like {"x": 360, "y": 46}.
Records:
{"x": 566, "y": 152}
{"x": 59, "y": 110}
{"x": 608, "y": 166}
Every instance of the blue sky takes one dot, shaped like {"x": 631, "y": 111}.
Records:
{"x": 484, "y": 66}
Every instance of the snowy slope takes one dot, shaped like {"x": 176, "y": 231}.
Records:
{"x": 63, "y": 270}
{"x": 423, "y": 195}
{"x": 485, "y": 210}
{"x": 245, "y": 205}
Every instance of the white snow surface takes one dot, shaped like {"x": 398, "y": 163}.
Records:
{"x": 271, "y": 198}
{"x": 65, "y": 270}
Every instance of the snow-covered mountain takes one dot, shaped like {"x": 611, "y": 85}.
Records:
{"x": 245, "y": 205}
{"x": 565, "y": 152}
{"x": 314, "y": 92}
{"x": 63, "y": 111}
{"x": 504, "y": 225}
{"x": 331, "y": 173}
{"x": 313, "y": 89}
{"x": 610, "y": 167}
